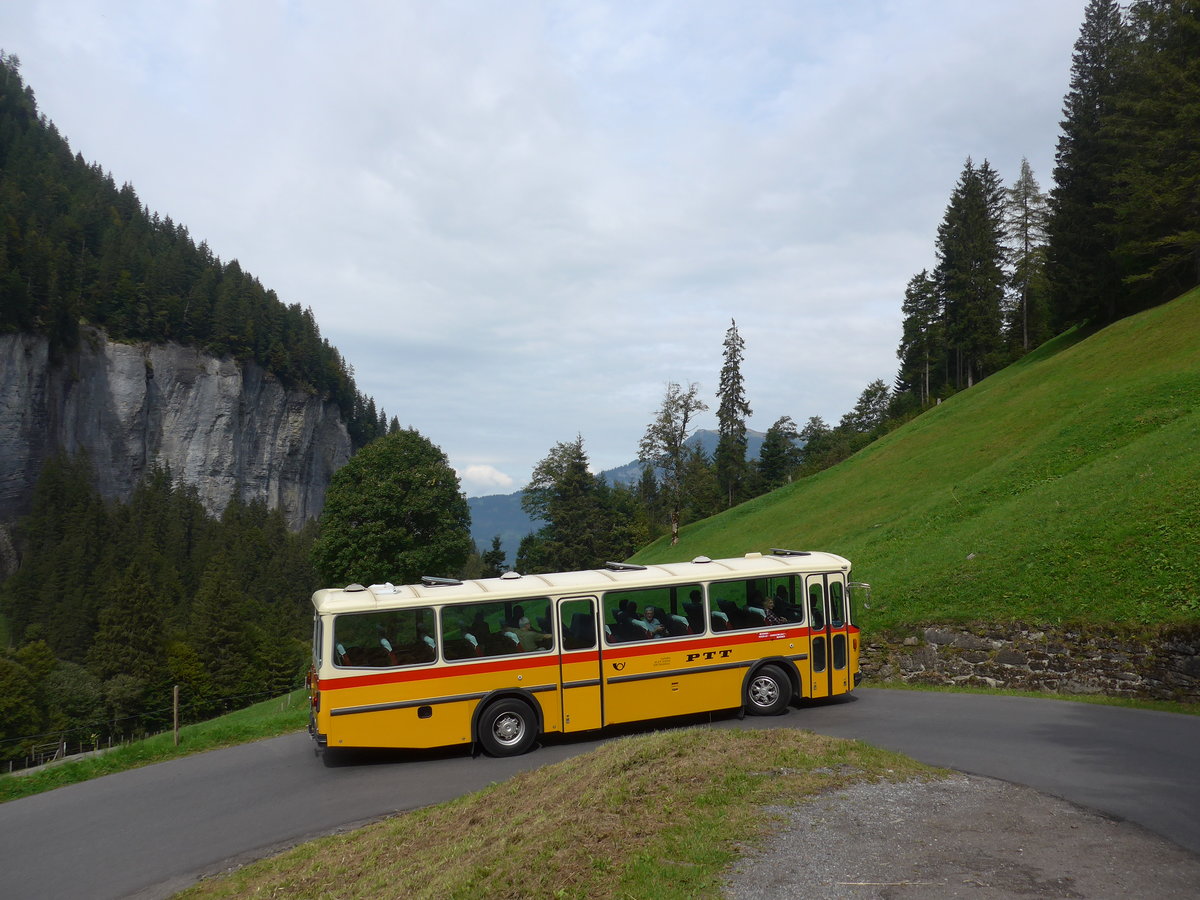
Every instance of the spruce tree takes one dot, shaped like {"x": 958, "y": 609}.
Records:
{"x": 493, "y": 560}
{"x": 1156, "y": 125}
{"x": 778, "y": 456}
{"x": 732, "y": 470}
{"x": 970, "y": 273}
{"x": 1085, "y": 282}
{"x": 587, "y": 522}
{"x": 922, "y": 343}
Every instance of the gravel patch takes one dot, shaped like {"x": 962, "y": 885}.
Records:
{"x": 964, "y": 836}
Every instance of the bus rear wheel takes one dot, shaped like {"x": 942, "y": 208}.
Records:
{"x": 768, "y": 692}
{"x": 507, "y": 728}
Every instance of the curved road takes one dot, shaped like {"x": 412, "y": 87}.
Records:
{"x": 149, "y": 832}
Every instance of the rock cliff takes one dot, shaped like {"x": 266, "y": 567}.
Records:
{"x": 220, "y": 425}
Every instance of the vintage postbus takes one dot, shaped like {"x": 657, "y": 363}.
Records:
{"x": 499, "y": 661}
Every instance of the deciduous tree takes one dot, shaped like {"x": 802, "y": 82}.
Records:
{"x": 393, "y": 513}
{"x": 663, "y": 445}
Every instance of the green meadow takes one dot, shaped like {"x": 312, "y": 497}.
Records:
{"x": 1064, "y": 489}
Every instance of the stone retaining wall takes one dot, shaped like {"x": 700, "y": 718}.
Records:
{"x": 1158, "y": 664}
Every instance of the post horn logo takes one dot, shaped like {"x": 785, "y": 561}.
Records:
{"x": 619, "y": 666}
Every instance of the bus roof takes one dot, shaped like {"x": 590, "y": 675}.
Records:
{"x": 618, "y": 576}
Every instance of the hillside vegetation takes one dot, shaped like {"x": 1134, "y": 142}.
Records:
{"x": 1065, "y": 488}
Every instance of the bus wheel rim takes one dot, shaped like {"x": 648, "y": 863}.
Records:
{"x": 764, "y": 691}
{"x": 509, "y": 729}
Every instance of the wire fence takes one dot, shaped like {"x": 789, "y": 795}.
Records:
{"x": 32, "y": 750}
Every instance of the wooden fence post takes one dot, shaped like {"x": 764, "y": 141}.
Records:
{"x": 176, "y": 708}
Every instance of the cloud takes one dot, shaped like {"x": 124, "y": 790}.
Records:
{"x": 478, "y": 480}
{"x": 519, "y": 221}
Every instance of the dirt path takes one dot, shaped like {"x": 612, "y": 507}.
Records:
{"x": 962, "y": 837}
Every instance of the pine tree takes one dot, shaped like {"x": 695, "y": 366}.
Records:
{"x": 493, "y": 560}
{"x": 778, "y": 456}
{"x": 732, "y": 470}
{"x": 220, "y": 632}
{"x": 1084, "y": 278}
{"x": 1156, "y": 124}
{"x": 922, "y": 349}
{"x": 585, "y": 518}
{"x": 1026, "y": 214}
{"x": 970, "y": 273}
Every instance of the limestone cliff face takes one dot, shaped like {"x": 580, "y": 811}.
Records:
{"x": 220, "y": 425}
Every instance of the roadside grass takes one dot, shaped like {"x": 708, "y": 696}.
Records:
{"x": 1187, "y": 709}
{"x": 279, "y": 715}
{"x": 1064, "y": 489}
{"x": 659, "y": 815}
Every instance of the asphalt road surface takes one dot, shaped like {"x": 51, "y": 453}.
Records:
{"x": 152, "y": 831}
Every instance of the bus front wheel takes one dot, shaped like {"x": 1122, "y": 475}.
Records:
{"x": 507, "y": 728}
{"x": 768, "y": 692}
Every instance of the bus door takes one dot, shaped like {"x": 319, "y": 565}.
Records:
{"x": 579, "y": 664}
{"x": 828, "y": 654}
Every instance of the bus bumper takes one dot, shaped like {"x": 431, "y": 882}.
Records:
{"x": 321, "y": 740}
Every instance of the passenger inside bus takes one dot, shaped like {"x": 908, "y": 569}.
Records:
{"x": 770, "y": 617}
{"x": 651, "y": 623}
{"x": 530, "y": 639}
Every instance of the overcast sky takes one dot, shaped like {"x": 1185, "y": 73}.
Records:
{"x": 519, "y": 220}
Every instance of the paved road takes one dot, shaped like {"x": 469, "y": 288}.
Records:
{"x": 151, "y": 831}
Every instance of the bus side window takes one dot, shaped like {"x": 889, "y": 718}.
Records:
{"x": 816, "y": 603}
{"x": 380, "y": 640}
{"x": 578, "y": 625}
{"x": 837, "y": 607}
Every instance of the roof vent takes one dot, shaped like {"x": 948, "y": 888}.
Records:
{"x": 699, "y": 560}
{"x": 510, "y": 576}
{"x": 754, "y": 555}
{"x": 624, "y": 567}
{"x": 431, "y": 581}
{"x": 354, "y": 588}
{"x": 778, "y": 552}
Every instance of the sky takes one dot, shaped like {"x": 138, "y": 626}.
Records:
{"x": 519, "y": 221}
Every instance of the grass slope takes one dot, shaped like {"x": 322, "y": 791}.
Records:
{"x": 659, "y": 815}
{"x": 279, "y": 715}
{"x": 1065, "y": 488}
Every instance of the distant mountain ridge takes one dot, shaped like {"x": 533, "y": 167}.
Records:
{"x": 501, "y": 514}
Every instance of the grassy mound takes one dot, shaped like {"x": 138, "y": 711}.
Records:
{"x": 656, "y": 815}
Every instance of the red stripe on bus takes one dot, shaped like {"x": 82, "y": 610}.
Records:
{"x": 614, "y": 652}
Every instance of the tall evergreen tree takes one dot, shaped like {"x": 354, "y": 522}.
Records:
{"x": 584, "y": 527}
{"x": 1156, "y": 123}
{"x": 493, "y": 561}
{"x": 1026, "y": 212}
{"x": 778, "y": 456}
{"x": 221, "y": 633}
{"x": 922, "y": 348}
{"x": 1084, "y": 278}
{"x": 732, "y": 470}
{"x": 970, "y": 273}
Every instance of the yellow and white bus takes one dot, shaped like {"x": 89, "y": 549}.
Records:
{"x": 500, "y": 661}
